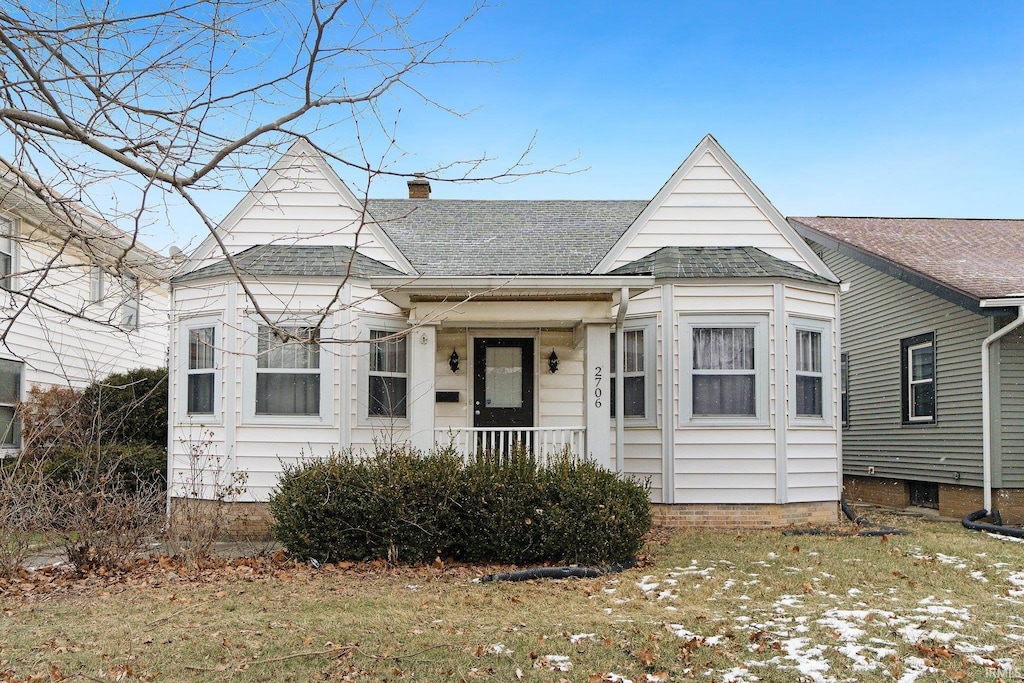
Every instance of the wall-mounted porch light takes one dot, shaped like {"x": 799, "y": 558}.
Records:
{"x": 553, "y": 362}
{"x": 453, "y": 361}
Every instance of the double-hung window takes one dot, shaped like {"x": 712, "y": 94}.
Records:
{"x": 287, "y": 371}
{"x": 388, "y": 374}
{"x": 7, "y": 253}
{"x": 638, "y": 338}
{"x": 810, "y": 390}
{"x": 201, "y": 371}
{"x": 724, "y": 373}
{"x": 844, "y": 387}
{"x": 10, "y": 395}
{"x": 130, "y": 301}
{"x": 917, "y": 367}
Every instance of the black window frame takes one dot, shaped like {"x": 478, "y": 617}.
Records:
{"x": 906, "y": 345}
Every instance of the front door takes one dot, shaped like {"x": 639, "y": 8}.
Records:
{"x": 503, "y": 390}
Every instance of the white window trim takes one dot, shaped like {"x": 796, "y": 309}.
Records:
{"x": 362, "y": 393}
{"x": 14, "y": 450}
{"x": 649, "y": 325}
{"x": 10, "y": 228}
{"x": 762, "y": 375}
{"x": 250, "y": 329}
{"x": 130, "y": 299}
{"x": 824, "y": 328}
{"x": 217, "y": 416}
{"x": 911, "y": 383}
{"x": 97, "y": 283}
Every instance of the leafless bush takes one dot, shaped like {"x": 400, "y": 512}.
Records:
{"x": 100, "y": 520}
{"x": 23, "y": 513}
{"x": 201, "y": 494}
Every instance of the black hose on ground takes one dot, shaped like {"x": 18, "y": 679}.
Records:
{"x": 971, "y": 522}
{"x": 559, "y": 572}
{"x": 874, "y": 530}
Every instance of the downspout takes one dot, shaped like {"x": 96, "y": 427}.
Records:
{"x": 620, "y": 383}
{"x": 986, "y": 405}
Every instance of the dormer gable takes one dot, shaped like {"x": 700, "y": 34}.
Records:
{"x": 710, "y": 202}
{"x": 301, "y": 200}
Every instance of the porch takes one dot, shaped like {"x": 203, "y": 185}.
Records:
{"x": 544, "y": 443}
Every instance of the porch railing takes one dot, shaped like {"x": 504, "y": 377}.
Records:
{"x": 543, "y": 442}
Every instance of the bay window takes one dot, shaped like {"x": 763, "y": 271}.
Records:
{"x": 288, "y": 371}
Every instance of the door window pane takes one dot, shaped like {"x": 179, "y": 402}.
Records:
{"x": 504, "y": 377}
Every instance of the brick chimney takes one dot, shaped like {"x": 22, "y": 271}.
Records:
{"x": 419, "y": 187}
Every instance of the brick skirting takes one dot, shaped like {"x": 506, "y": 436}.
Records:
{"x": 251, "y": 521}
{"x": 954, "y": 501}
{"x": 745, "y": 515}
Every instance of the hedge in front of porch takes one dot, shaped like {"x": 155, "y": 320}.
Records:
{"x": 406, "y": 506}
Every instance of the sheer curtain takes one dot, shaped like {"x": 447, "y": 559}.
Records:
{"x": 723, "y": 371}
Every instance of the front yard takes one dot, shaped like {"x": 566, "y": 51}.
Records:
{"x": 941, "y": 604}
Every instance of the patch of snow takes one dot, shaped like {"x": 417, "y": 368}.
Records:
{"x": 913, "y": 668}
{"x": 553, "y": 663}
{"x": 580, "y": 637}
{"x": 499, "y": 649}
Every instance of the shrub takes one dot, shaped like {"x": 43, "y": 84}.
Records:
{"x": 130, "y": 406}
{"x": 407, "y": 506}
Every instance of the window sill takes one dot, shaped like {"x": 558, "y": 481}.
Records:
{"x": 810, "y": 423}
{"x": 286, "y": 421}
{"x": 724, "y": 422}
{"x": 636, "y": 423}
{"x": 208, "y": 420}
{"x": 383, "y": 422}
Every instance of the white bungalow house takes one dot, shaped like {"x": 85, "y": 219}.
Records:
{"x": 485, "y": 322}
{"x": 79, "y": 300}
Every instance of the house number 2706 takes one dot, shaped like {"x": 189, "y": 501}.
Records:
{"x": 597, "y": 386}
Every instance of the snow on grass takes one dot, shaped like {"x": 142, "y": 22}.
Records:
{"x": 553, "y": 663}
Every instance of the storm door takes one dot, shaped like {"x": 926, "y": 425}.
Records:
{"x": 503, "y": 392}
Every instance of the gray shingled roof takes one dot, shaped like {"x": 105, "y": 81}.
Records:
{"x": 983, "y": 258}
{"x": 291, "y": 260}
{"x": 499, "y": 237}
{"x": 715, "y": 262}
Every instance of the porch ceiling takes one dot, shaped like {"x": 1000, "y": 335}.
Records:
{"x": 407, "y": 292}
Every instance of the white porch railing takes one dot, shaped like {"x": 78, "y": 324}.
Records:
{"x": 543, "y": 442}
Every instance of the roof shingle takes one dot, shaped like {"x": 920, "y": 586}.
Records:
{"x": 294, "y": 260}
{"x": 982, "y": 258}
{"x": 504, "y": 237}
{"x": 715, "y": 262}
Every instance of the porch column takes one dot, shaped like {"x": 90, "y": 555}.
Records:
{"x": 597, "y": 398}
{"x": 423, "y": 343}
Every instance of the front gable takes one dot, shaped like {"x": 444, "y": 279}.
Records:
{"x": 299, "y": 201}
{"x": 710, "y": 202}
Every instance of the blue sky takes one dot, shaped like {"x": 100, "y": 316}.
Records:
{"x": 858, "y": 108}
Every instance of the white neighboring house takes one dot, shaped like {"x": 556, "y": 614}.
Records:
{"x": 485, "y": 322}
{"x": 79, "y": 300}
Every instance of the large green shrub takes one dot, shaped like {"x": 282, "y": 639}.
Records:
{"x": 403, "y": 505}
{"x": 131, "y": 406}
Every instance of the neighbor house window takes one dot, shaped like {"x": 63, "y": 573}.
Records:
{"x": 724, "y": 369}
{"x": 6, "y": 253}
{"x": 844, "y": 387}
{"x": 97, "y": 284}
{"x": 201, "y": 370}
{"x": 10, "y": 395}
{"x": 918, "y": 378}
{"x": 288, "y": 371}
{"x": 388, "y": 374}
{"x": 130, "y": 301}
{"x": 638, "y": 376}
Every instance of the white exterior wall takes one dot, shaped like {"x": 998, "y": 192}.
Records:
{"x": 65, "y": 339}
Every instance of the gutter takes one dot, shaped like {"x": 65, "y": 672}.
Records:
{"x": 986, "y": 391}
{"x": 620, "y": 383}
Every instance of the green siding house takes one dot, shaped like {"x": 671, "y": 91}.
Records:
{"x": 932, "y": 359}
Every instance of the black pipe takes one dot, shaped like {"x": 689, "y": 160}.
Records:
{"x": 848, "y": 511}
{"x": 874, "y": 530}
{"x": 559, "y": 572}
{"x": 971, "y": 522}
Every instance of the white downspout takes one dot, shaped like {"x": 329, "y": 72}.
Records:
{"x": 620, "y": 383}
{"x": 986, "y": 404}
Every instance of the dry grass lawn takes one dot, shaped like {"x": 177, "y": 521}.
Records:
{"x": 941, "y": 604}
